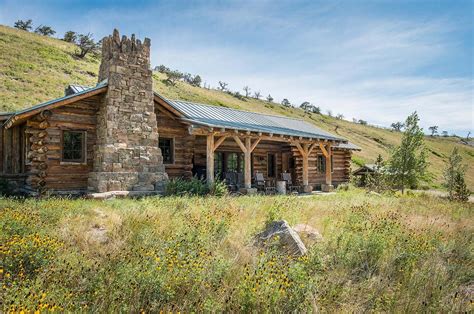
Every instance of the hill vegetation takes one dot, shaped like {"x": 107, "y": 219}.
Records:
{"x": 36, "y": 68}
{"x": 409, "y": 253}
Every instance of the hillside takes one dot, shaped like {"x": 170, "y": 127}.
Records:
{"x": 34, "y": 69}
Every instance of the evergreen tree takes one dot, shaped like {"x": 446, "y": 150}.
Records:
{"x": 408, "y": 161}
{"x": 454, "y": 177}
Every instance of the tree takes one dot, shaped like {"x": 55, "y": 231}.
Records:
{"x": 162, "y": 69}
{"x": 408, "y": 161}
{"x": 173, "y": 77}
{"x": 196, "y": 81}
{"x": 86, "y": 45}
{"x": 339, "y": 116}
{"x": 24, "y": 25}
{"x": 305, "y": 105}
{"x": 269, "y": 98}
{"x": 247, "y": 91}
{"x": 362, "y": 122}
{"x": 433, "y": 129}
{"x": 454, "y": 177}
{"x": 397, "y": 126}
{"x": 223, "y": 86}
{"x": 315, "y": 109}
{"x": 445, "y": 133}
{"x": 70, "y": 37}
{"x": 257, "y": 95}
{"x": 329, "y": 113}
{"x": 45, "y": 30}
{"x": 285, "y": 102}
{"x": 377, "y": 180}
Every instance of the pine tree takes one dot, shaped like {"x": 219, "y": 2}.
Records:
{"x": 454, "y": 177}
{"x": 408, "y": 163}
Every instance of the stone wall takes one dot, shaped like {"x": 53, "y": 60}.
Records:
{"x": 126, "y": 156}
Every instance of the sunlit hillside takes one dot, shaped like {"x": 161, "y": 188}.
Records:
{"x": 35, "y": 68}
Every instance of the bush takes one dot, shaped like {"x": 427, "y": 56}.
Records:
{"x": 5, "y": 188}
{"x": 195, "y": 186}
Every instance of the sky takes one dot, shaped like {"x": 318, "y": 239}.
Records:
{"x": 373, "y": 60}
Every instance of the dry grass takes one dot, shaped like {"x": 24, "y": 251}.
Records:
{"x": 388, "y": 253}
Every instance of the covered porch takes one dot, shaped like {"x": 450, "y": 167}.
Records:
{"x": 244, "y": 158}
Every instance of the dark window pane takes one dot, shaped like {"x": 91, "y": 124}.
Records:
{"x": 166, "y": 146}
{"x": 271, "y": 165}
{"x": 73, "y": 146}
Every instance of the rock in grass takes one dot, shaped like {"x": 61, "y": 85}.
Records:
{"x": 287, "y": 239}
{"x": 308, "y": 234}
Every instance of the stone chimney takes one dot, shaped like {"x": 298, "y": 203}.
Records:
{"x": 126, "y": 154}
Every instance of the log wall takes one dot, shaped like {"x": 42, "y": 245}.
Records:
{"x": 341, "y": 167}
{"x": 47, "y": 170}
{"x": 183, "y": 143}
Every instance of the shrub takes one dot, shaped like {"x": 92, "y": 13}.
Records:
{"x": 194, "y": 186}
{"x": 5, "y": 188}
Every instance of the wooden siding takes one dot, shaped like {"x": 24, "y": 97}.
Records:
{"x": 183, "y": 145}
{"x": 341, "y": 167}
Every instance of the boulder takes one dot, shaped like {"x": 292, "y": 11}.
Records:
{"x": 308, "y": 234}
{"x": 289, "y": 241}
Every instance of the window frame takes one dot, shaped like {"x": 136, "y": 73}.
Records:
{"x": 172, "y": 149}
{"x": 81, "y": 161}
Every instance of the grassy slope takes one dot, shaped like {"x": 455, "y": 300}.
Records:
{"x": 378, "y": 254}
{"x": 35, "y": 69}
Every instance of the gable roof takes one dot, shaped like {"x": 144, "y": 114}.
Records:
{"x": 223, "y": 117}
{"x": 28, "y": 112}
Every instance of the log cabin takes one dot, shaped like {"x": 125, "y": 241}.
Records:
{"x": 120, "y": 135}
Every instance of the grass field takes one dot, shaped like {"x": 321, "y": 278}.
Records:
{"x": 379, "y": 253}
{"x": 35, "y": 68}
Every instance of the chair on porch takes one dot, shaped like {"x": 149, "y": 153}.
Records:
{"x": 286, "y": 176}
{"x": 231, "y": 181}
{"x": 262, "y": 185}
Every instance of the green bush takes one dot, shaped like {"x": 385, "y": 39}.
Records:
{"x": 194, "y": 186}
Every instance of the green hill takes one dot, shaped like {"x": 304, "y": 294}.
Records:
{"x": 35, "y": 68}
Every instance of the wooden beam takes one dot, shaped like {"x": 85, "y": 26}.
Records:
{"x": 328, "y": 166}
{"x": 219, "y": 142}
{"x": 305, "y": 165}
{"x": 248, "y": 161}
{"x": 323, "y": 149}
{"x": 255, "y": 144}
{"x": 311, "y": 148}
{"x": 210, "y": 159}
{"x": 239, "y": 142}
{"x": 300, "y": 149}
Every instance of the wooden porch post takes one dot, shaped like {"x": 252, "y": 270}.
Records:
{"x": 305, "y": 152}
{"x": 247, "y": 149}
{"x": 248, "y": 166}
{"x": 210, "y": 159}
{"x": 327, "y": 154}
{"x": 328, "y": 166}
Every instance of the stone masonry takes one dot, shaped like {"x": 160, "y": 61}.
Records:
{"x": 126, "y": 156}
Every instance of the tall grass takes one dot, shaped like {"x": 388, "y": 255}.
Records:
{"x": 397, "y": 254}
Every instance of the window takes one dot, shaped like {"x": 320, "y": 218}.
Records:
{"x": 271, "y": 163}
{"x": 73, "y": 145}
{"x": 166, "y": 146}
{"x": 321, "y": 164}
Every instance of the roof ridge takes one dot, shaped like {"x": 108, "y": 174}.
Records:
{"x": 241, "y": 110}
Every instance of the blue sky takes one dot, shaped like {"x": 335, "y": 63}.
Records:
{"x": 371, "y": 60}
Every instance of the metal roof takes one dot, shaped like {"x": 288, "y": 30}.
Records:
{"x": 77, "y": 88}
{"x": 348, "y": 145}
{"x": 223, "y": 117}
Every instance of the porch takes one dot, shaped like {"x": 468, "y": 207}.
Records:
{"x": 245, "y": 159}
